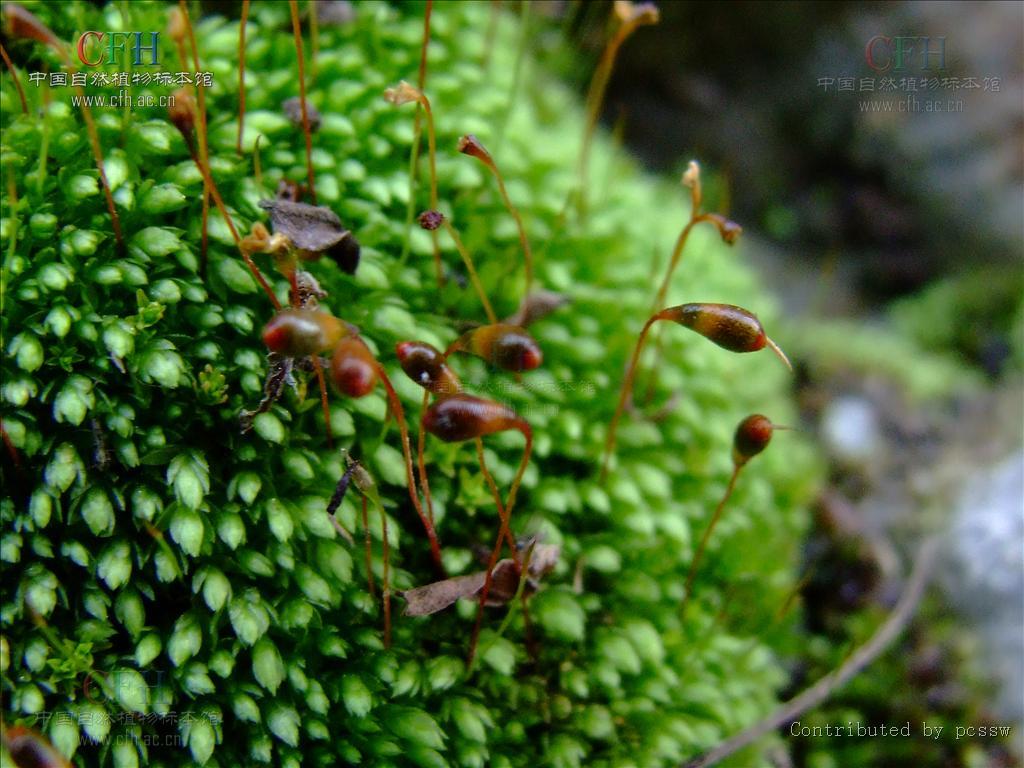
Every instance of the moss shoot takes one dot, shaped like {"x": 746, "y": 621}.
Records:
{"x": 174, "y": 592}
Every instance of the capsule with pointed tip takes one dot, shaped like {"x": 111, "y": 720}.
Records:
{"x": 464, "y": 417}
{"x": 353, "y": 367}
{"x": 426, "y": 365}
{"x": 302, "y": 332}
{"x": 752, "y": 436}
{"x": 509, "y": 347}
{"x": 727, "y": 325}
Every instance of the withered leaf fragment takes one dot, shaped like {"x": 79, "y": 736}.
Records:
{"x": 314, "y": 229}
{"x": 279, "y": 374}
{"x": 310, "y": 227}
{"x": 293, "y": 111}
{"x": 425, "y": 600}
{"x": 431, "y": 598}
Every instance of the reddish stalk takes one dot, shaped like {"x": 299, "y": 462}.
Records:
{"x": 219, "y": 202}
{"x": 707, "y": 531}
{"x": 728, "y": 230}
{"x": 496, "y": 494}
{"x": 385, "y": 575}
{"x": 404, "y": 93}
{"x": 470, "y": 145}
{"x": 467, "y": 260}
{"x": 24, "y": 24}
{"x": 297, "y": 32}
{"x": 421, "y": 82}
{"x": 659, "y": 299}
{"x": 322, "y": 382}
{"x": 503, "y": 531}
{"x": 241, "y": 73}
{"x": 432, "y": 156}
{"x": 14, "y": 75}
{"x": 203, "y": 147}
{"x": 421, "y": 461}
{"x": 368, "y": 551}
{"x": 627, "y": 387}
{"x": 414, "y": 154}
{"x": 403, "y": 428}
{"x": 629, "y": 17}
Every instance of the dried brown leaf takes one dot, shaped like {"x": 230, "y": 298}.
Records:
{"x": 310, "y": 227}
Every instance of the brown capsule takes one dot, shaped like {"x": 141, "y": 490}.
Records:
{"x": 302, "y": 332}
{"x": 464, "y": 417}
{"x": 353, "y": 368}
{"x": 752, "y": 436}
{"x": 509, "y": 347}
{"x": 430, "y": 220}
{"x": 182, "y": 113}
{"x": 30, "y": 749}
{"x": 727, "y": 325}
{"x": 728, "y": 230}
{"x": 426, "y": 365}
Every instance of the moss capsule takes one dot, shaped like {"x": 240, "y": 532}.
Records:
{"x": 727, "y": 325}
{"x": 426, "y": 365}
{"x": 353, "y": 368}
{"x": 464, "y": 417}
{"x": 752, "y": 436}
{"x": 508, "y": 347}
{"x": 302, "y": 332}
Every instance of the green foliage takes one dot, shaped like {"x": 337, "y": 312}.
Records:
{"x": 246, "y": 617}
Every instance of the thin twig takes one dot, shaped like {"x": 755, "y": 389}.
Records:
{"x": 297, "y": 32}
{"x": 858, "y": 660}
{"x": 17, "y": 82}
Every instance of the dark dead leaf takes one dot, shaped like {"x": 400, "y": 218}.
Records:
{"x": 346, "y": 254}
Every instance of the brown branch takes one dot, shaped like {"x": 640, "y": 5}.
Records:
{"x": 821, "y": 690}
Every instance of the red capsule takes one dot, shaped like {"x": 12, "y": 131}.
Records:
{"x": 752, "y": 436}
{"x": 727, "y": 325}
{"x": 353, "y": 368}
{"x": 509, "y": 347}
{"x": 302, "y": 332}
{"x": 464, "y": 417}
{"x": 426, "y": 365}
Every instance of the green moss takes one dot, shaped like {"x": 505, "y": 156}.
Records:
{"x": 231, "y": 597}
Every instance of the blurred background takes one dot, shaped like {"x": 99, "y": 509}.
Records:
{"x": 874, "y": 154}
